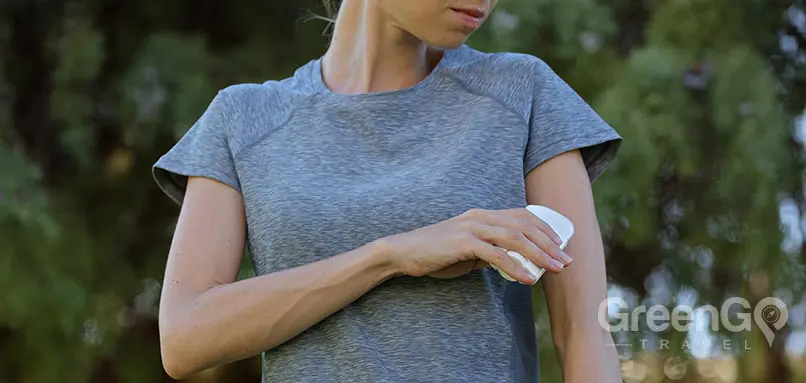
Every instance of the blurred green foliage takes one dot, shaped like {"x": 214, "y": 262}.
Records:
{"x": 93, "y": 91}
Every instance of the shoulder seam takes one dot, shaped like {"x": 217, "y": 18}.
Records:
{"x": 271, "y": 130}
{"x": 228, "y": 115}
{"x": 467, "y": 88}
{"x": 533, "y": 89}
{"x": 533, "y": 100}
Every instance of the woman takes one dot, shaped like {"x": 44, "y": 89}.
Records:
{"x": 370, "y": 188}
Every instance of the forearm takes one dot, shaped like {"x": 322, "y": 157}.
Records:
{"x": 574, "y": 296}
{"x": 584, "y": 346}
{"x": 238, "y": 320}
{"x": 587, "y": 355}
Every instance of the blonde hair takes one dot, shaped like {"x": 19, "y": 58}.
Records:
{"x": 332, "y": 8}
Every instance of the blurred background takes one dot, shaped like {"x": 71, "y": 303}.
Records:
{"x": 705, "y": 201}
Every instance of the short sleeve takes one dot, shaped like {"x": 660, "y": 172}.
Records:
{"x": 203, "y": 151}
{"x": 562, "y": 121}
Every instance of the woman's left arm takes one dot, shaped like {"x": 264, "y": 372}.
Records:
{"x": 585, "y": 348}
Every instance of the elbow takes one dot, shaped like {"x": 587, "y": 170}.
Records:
{"x": 174, "y": 371}
{"x": 174, "y": 361}
{"x": 177, "y": 360}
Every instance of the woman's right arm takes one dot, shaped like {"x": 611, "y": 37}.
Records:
{"x": 206, "y": 318}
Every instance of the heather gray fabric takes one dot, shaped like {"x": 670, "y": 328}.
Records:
{"x": 323, "y": 173}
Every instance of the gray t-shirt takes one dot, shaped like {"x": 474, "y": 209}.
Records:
{"x": 322, "y": 173}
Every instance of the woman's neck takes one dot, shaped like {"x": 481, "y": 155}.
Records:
{"x": 369, "y": 53}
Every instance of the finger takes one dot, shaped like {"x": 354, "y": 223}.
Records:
{"x": 499, "y": 257}
{"x": 515, "y": 240}
{"x": 539, "y": 233}
{"x": 526, "y": 216}
{"x": 550, "y": 248}
{"x": 533, "y": 228}
{"x": 522, "y": 234}
{"x": 546, "y": 246}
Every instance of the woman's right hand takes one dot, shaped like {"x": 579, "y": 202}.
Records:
{"x": 473, "y": 236}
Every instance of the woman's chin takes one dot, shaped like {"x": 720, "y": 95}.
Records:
{"x": 451, "y": 40}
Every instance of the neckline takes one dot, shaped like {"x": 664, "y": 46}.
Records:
{"x": 425, "y": 86}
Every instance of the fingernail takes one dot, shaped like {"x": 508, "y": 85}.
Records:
{"x": 556, "y": 264}
{"x": 565, "y": 257}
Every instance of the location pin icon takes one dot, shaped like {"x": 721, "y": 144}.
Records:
{"x": 770, "y": 315}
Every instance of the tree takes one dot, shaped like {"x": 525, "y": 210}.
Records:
{"x": 93, "y": 91}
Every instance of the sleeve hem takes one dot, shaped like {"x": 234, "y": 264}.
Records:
{"x": 597, "y": 153}
{"x": 172, "y": 178}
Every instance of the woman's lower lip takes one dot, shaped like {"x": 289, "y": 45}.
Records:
{"x": 468, "y": 20}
